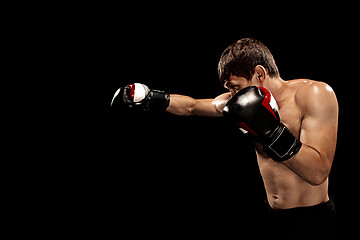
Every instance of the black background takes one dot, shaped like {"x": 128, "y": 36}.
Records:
{"x": 164, "y": 175}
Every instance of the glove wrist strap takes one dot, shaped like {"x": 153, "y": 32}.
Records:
{"x": 282, "y": 144}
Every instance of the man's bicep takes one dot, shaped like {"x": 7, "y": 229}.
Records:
{"x": 321, "y": 136}
{"x": 319, "y": 125}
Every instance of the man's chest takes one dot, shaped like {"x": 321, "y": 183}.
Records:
{"x": 291, "y": 115}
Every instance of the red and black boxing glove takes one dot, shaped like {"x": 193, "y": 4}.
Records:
{"x": 139, "y": 96}
{"x": 255, "y": 110}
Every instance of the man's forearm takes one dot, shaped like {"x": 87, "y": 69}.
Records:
{"x": 186, "y": 106}
{"x": 310, "y": 165}
{"x": 181, "y": 105}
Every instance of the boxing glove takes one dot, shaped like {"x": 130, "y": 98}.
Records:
{"x": 254, "y": 110}
{"x": 139, "y": 96}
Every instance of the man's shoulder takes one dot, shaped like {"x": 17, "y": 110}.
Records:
{"x": 309, "y": 93}
{"x": 304, "y": 85}
{"x": 221, "y": 100}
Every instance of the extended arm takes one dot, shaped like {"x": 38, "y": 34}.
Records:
{"x": 185, "y": 106}
{"x": 139, "y": 96}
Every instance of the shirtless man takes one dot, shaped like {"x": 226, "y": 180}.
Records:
{"x": 296, "y": 188}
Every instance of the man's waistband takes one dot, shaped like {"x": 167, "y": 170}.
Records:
{"x": 325, "y": 206}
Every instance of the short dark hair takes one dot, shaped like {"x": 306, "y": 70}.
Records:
{"x": 241, "y": 58}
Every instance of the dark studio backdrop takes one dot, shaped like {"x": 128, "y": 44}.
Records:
{"x": 155, "y": 174}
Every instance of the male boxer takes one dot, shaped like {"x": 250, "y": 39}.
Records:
{"x": 293, "y": 125}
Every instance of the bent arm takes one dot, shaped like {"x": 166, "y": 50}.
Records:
{"x": 186, "y": 106}
{"x": 318, "y": 134}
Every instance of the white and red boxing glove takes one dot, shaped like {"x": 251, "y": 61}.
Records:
{"x": 255, "y": 110}
{"x": 139, "y": 96}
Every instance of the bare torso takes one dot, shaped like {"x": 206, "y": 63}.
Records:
{"x": 285, "y": 189}
{"x": 309, "y": 109}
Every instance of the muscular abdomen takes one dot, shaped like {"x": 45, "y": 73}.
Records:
{"x": 284, "y": 189}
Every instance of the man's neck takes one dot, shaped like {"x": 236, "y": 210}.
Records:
{"x": 276, "y": 87}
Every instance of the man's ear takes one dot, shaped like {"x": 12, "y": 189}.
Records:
{"x": 260, "y": 73}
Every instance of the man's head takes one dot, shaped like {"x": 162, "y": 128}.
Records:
{"x": 247, "y": 59}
